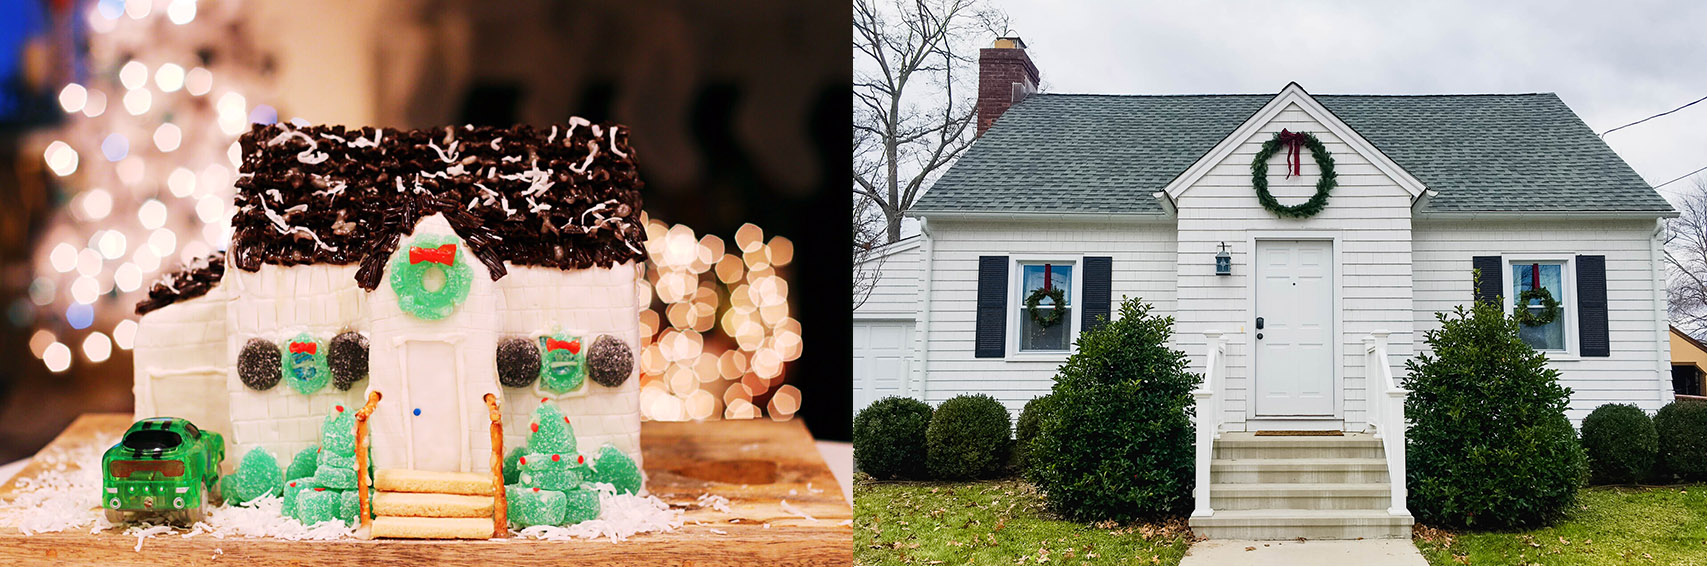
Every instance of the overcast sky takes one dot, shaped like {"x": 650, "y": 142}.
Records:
{"x": 1612, "y": 62}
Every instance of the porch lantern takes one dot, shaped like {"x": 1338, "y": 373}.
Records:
{"x": 1224, "y": 262}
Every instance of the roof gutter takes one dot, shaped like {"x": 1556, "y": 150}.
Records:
{"x": 1055, "y": 217}
{"x": 1545, "y": 215}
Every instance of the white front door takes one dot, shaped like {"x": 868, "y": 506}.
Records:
{"x": 882, "y": 359}
{"x": 432, "y": 406}
{"x": 1294, "y": 345}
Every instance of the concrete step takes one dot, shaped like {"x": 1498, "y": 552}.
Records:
{"x": 1298, "y": 471}
{"x": 1308, "y": 524}
{"x": 404, "y": 480}
{"x": 431, "y": 528}
{"x": 432, "y": 505}
{"x": 1249, "y": 446}
{"x": 1304, "y": 496}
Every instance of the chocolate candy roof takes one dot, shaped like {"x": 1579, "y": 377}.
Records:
{"x": 566, "y": 197}
{"x": 188, "y": 282}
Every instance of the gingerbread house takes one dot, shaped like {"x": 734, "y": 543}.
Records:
{"x": 432, "y": 266}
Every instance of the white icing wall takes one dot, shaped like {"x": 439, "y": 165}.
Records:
{"x": 600, "y": 301}
{"x": 180, "y": 363}
{"x": 276, "y": 303}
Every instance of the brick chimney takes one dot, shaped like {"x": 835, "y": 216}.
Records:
{"x": 1006, "y": 76}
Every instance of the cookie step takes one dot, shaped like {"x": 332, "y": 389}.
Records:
{"x": 432, "y": 505}
{"x": 431, "y": 528}
{"x": 404, "y": 480}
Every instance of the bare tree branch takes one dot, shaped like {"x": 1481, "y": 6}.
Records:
{"x": 1686, "y": 257}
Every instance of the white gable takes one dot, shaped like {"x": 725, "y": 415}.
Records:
{"x": 1293, "y": 97}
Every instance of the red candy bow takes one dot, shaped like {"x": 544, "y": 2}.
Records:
{"x": 574, "y": 347}
{"x": 309, "y": 348}
{"x": 1293, "y": 141}
{"x": 445, "y": 254}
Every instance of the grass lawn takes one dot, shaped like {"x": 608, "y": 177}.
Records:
{"x": 1612, "y": 526}
{"x": 995, "y": 522}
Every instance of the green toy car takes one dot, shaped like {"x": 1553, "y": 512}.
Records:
{"x": 163, "y": 465}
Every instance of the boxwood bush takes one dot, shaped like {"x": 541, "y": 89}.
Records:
{"x": 968, "y": 438}
{"x": 1489, "y": 446}
{"x": 889, "y": 438}
{"x": 1117, "y": 444}
{"x": 1680, "y": 427}
{"x": 1026, "y": 428}
{"x": 1621, "y": 443}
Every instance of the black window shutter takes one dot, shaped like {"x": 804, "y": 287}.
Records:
{"x": 1489, "y": 279}
{"x": 990, "y": 329}
{"x": 1592, "y": 306}
{"x": 1094, "y": 306}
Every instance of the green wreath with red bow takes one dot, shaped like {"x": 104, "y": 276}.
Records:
{"x": 1524, "y": 315}
{"x": 1293, "y": 141}
{"x": 1045, "y": 318}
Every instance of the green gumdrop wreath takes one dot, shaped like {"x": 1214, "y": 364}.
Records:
{"x": 1325, "y": 182}
{"x": 412, "y": 294}
{"x": 1043, "y": 318}
{"x": 304, "y": 366}
{"x": 1550, "y": 307}
{"x": 563, "y": 363}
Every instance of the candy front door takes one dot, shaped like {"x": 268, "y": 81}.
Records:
{"x": 432, "y": 397}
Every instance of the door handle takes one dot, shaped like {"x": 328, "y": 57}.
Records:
{"x": 1259, "y": 323}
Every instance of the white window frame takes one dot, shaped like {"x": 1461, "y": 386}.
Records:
{"x": 1016, "y": 306}
{"x": 1568, "y": 304}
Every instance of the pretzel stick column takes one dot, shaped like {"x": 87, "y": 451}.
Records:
{"x": 362, "y": 480}
{"x": 499, "y": 527}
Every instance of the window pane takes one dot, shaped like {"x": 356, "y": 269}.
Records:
{"x": 1061, "y": 277}
{"x": 1055, "y": 337}
{"x": 1551, "y": 336}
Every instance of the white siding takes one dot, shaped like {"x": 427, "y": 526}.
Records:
{"x": 1368, "y": 214}
{"x": 1142, "y": 266}
{"x": 1634, "y": 372}
{"x": 895, "y": 295}
{"x": 181, "y": 365}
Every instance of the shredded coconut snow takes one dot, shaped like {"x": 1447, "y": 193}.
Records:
{"x": 620, "y": 516}
{"x": 714, "y": 502}
{"x": 790, "y": 508}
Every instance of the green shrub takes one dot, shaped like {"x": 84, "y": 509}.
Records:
{"x": 1026, "y": 428}
{"x": 1117, "y": 443}
{"x": 1620, "y": 442}
{"x": 1489, "y": 446}
{"x": 889, "y": 438}
{"x": 1680, "y": 427}
{"x": 968, "y": 438}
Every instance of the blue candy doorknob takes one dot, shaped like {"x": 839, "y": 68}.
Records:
{"x": 417, "y": 411}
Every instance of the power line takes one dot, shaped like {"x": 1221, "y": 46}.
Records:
{"x": 1698, "y": 170}
{"x": 1604, "y": 134}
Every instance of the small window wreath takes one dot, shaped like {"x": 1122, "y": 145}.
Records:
{"x": 1524, "y": 315}
{"x": 1046, "y": 319}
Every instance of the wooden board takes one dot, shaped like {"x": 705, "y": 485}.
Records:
{"x": 754, "y": 463}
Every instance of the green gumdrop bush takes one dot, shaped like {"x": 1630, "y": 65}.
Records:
{"x": 1621, "y": 444}
{"x": 1118, "y": 440}
{"x": 889, "y": 438}
{"x": 968, "y": 438}
{"x": 1680, "y": 427}
{"x": 1489, "y": 446}
{"x": 257, "y": 474}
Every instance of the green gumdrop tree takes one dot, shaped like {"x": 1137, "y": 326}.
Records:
{"x": 1117, "y": 443}
{"x": 550, "y": 474}
{"x": 1489, "y": 444}
{"x": 325, "y": 493}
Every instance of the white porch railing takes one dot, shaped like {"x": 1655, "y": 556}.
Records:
{"x": 1387, "y": 415}
{"x": 1208, "y": 420}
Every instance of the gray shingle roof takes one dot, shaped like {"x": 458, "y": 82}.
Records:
{"x": 1109, "y": 153}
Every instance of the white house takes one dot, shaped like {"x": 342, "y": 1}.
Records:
{"x": 431, "y": 266}
{"x": 1311, "y": 322}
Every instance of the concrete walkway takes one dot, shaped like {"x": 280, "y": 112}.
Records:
{"x": 1289, "y": 552}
